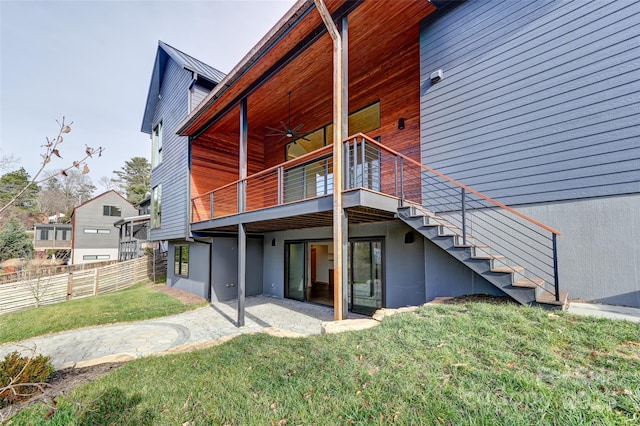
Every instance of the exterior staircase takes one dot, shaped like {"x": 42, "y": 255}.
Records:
{"x": 514, "y": 280}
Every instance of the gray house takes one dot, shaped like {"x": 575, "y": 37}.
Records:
{"x": 178, "y": 83}
{"x": 95, "y": 238}
{"x": 462, "y": 147}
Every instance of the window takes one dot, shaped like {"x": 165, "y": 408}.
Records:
{"x": 156, "y": 155}
{"x": 181, "y": 261}
{"x": 364, "y": 120}
{"x": 96, "y": 257}
{"x": 43, "y": 234}
{"x": 96, "y": 231}
{"x": 63, "y": 235}
{"x": 156, "y": 207}
{"x": 111, "y": 211}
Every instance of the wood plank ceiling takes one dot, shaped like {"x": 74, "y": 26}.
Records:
{"x": 383, "y": 66}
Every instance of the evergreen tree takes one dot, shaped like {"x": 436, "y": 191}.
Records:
{"x": 14, "y": 241}
{"x": 12, "y": 183}
{"x": 134, "y": 179}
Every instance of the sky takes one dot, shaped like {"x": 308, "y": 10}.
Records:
{"x": 91, "y": 62}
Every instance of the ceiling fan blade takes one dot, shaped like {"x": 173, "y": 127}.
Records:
{"x": 295, "y": 129}
{"x": 275, "y": 129}
{"x": 285, "y": 126}
{"x": 282, "y": 138}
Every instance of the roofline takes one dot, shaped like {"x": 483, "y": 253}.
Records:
{"x": 147, "y": 115}
{"x": 91, "y": 200}
{"x": 161, "y": 44}
{"x": 140, "y": 218}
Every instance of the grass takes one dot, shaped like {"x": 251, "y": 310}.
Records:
{"x": 472, "y": 364}
{"x": 135, "y": 303}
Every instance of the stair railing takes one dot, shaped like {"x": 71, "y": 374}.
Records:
{"x": 492, "y": 227}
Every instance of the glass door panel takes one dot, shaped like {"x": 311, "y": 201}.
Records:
{"x": 295, "y": 269}
{"x": 365, "y": 276}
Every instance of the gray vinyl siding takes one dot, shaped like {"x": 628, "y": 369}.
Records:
{"x": 539, "y": 100}
{"x": 198, "y": 93}
{"x": 197, "y": 280}
{"x": 90, "y": 216}
{"x": 173, "y": 172}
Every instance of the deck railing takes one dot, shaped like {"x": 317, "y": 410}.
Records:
{"x": 507, "y": 235}
{"x": 305, "y": 177}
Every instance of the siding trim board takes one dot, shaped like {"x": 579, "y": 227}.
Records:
{"x": 538, "y": 101}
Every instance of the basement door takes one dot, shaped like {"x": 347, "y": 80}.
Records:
{"x": 309, "y": 274}
{"x": 365, "y": 276}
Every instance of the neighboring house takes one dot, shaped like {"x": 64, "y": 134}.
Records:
{"x": 178, "y": 84}
{"x": 52, "y": 237}
{"x": 499, "y": 154}
{"x": 94, "y": 236}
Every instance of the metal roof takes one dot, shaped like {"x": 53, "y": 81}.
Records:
{"x": 187, "y": 62}
{"x": 192, "y": 64}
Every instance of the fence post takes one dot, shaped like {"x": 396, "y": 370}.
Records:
{"x": 96, "y": 273}
{"x": 69, "y": 285}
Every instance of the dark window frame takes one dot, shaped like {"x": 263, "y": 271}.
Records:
{"x": 181, "y": 261}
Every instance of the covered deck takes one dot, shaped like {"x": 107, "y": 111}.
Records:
{"x": 264, "y": 142}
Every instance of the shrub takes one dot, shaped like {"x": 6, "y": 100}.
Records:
{"x": 28, "y": 370}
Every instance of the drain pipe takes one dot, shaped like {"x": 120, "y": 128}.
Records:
{"x": 339, "y": 215}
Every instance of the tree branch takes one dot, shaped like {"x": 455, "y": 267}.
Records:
{"x": 51, "y": 148}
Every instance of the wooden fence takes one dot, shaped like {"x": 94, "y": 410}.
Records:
{"x": 50, "y": 289}
{"x": 30, "y": 274}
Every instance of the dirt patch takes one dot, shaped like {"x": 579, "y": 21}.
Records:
{"x": 480, "y": 298}
{"x": 183, "y": 296}
{"x": 62, "y": 382}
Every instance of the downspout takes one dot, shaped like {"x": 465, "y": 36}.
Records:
{"x": 338, "y": 219}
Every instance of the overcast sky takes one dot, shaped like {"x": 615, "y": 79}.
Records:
{"x": 91, "y": 61}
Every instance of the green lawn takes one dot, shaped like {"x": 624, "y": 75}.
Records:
{"x": 477, "y": 364}
{"x": 135, "y": 303}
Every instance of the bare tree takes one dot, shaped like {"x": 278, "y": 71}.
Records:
{"x": 50, "y": 151}
{"x": 7, "y": 162}
{"x": 107, "y": 184}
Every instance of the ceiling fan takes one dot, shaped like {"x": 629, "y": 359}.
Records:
{"x": 287, "y": 131}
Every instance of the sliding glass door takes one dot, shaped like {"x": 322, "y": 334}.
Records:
{"x": 365, "y": 276}
{"x": 309, "y": 274}
{"x": 296, "y": 273}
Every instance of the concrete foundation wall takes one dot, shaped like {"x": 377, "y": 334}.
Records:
{"x": 198, "y": 280}
{"x": 598, "y": 251}
{"x": 224, "y": 268}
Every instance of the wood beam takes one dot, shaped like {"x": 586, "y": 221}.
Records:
{"x": 242, "y": 193}
{"x": 338, "y": 218}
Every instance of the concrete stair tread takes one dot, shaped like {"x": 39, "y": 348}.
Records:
{"x": 529, "y": 283}
{"x": 508, "y": 269}
{"x": 550, "y": 299}
{"x": 487, "y": 256}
